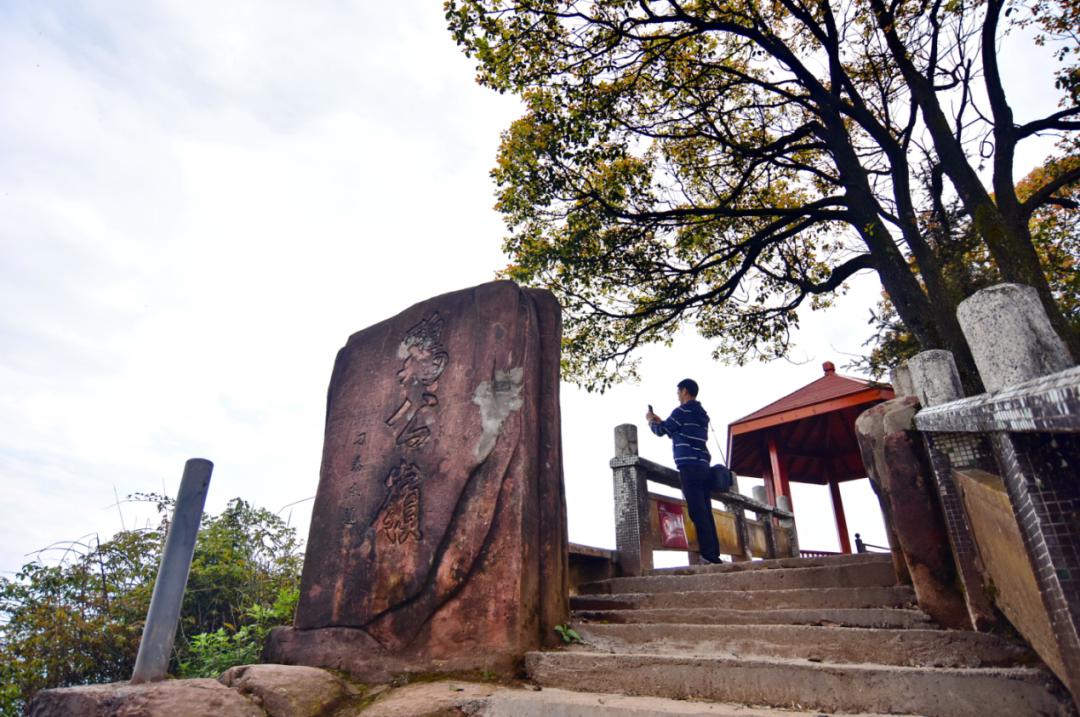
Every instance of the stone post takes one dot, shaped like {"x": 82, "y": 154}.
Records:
{"x": 152, "y": 662}
{"x": 633, "y": 548}
{"x": 784, "y": 503}
{"x": 1010, "y": 336}
{"x": 900, "y": 378}
{"x": 936, "y": 381}
{"x": 1011, "y": 341}
{"x": 767, "y": 521}
{"x": 934, "y": 377}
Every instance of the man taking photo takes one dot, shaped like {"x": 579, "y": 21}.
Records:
{"x": 688, "y": 428}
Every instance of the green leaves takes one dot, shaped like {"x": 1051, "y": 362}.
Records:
{"x": 210, "y": 653}
{"x": 568, "y": 634}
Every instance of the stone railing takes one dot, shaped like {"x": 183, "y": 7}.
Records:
{"x": 770, "y": 534}
{"x": 1007, "y": 470}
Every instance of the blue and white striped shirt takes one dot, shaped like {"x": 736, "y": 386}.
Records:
{"x": 688, "y": 426}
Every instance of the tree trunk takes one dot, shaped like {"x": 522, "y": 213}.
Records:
{"x": 1010, "y": 246}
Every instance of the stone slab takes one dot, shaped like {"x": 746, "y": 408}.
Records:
{"x": 438, "y": 534}
{"x": 911, "y": 647}
{"x": 776, "y": 564}
{"x": 752, "y": 599}
{"x": 852, "y": 617}
{"x": 169, "y": 698}
{"x": 874, "y": 574}
{"x": 933, "y": 692}
{"x": 551, "y": 702}
{"x": 453, "y": 697}
{"x": 287, "y": 690}
{"x": 1008, "y": 570}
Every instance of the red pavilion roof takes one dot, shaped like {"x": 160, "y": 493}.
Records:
{"x": 813, "y": 427}
{"x": 830, "y": 386}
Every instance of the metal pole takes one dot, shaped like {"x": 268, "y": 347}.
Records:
{"x": 156, "y": 646}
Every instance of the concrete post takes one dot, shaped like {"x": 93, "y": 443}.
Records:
{"x": 1010, "y": 336}
{"x": 626, "y": 443}
{"x": 156, "y": 646}
{"x": 633, "y": 549}
{"x": 900, "y": 378}
{"x": 784, "y": 503}
{"x": 759, "y": 494}
{"x": 934, "y": 377}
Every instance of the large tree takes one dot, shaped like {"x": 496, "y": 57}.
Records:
{"x": 724, "y": 163}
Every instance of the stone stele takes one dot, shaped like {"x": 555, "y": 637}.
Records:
{"x": 438, "y": 537}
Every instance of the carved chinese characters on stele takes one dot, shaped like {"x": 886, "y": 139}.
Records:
{"x": 438, "y": 532}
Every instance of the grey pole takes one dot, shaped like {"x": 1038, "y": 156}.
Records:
{"x": 152, "y": 662}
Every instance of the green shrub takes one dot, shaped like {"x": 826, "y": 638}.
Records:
{"x": 211, "y": 653}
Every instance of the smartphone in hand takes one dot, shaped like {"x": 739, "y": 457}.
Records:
{"x": 650, "y": 409}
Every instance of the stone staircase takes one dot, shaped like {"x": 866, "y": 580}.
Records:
{"x": 829, "y": 634}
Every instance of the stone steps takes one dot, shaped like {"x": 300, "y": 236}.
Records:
{"x": 553, "y": 702}
{"x": 821, "y": 634}
{"x": 841, "y": 617}
{"x": 800, "y": 684}
{"x": 909, "y": 647}
{"x": 852, "y": 575}
{"x": 777, "y": 564}
{"x": 844, "y": 597}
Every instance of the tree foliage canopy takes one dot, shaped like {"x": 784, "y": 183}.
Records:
{"x": 79, "y": 620}
{"x": 724, "y": 163}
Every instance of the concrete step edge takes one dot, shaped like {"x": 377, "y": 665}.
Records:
{"x": 817, "y": 643}
{"x": 1024, "y": 672}
{"x": 556, "y": 702}
{"x": 867, "y": 575}
{"x": 689, "y": 594}
{"x": 776, "y": 564}
{"x": 899, "y": 618}
{"x": 749, "y": 599}
{"x": 933, "y": 692}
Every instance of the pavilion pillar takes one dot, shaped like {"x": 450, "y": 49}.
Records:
{"x": 770, "y": 489}
{"x": 838, "y": 511}
{"x": 779, "y": 473}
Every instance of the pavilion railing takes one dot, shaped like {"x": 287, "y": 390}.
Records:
{"x": 770, "y": 534}
{"x": 818, "y": 553}
{"x": 861, "y": 546}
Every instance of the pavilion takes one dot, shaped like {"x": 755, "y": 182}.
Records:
{"x": 808, "y": 436}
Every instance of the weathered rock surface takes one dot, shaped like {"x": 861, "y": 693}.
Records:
{"x": 440, "y": 501}
{"x": 172, "y": 698}
{"x": 902, "y": 480}
{"x": 434, "y": 699}
{"x": 286, "y": 690}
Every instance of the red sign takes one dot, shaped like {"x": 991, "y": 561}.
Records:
{"x": 672, "y": 527}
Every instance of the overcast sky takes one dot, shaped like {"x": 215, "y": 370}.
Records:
{"x": 200, "y": 202}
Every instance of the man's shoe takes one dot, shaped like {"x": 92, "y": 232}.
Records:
{"x": 714, "y": 561}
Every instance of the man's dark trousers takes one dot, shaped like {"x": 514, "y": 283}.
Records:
{"x": 696, "y": 483}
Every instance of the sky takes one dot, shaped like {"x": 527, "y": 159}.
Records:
{"x": 201, "y": 201}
